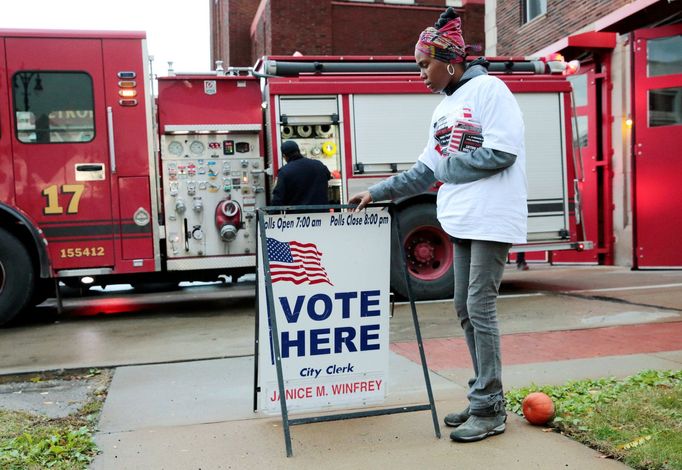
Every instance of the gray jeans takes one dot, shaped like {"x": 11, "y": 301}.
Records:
{"x": 479, "y": 266}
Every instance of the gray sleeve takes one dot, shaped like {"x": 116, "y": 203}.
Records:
{"x": 473, "y": 166}
{"x": 416, "y": 180}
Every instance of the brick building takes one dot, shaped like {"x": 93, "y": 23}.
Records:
{"x": 628, "y": 112}
{"x": 244, "y": 30}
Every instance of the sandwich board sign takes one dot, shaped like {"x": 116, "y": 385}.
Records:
{"x": 329, "y": 275}
{"x": 323, "y": 314}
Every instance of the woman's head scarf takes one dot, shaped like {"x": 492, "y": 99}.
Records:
{"x": 444, "y": 41}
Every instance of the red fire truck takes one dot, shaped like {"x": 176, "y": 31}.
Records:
{"x": 100, "y": 182}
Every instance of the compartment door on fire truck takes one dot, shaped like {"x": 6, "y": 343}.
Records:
{"x": 543, "y": 116}
{"x": 61, "y": 159}
{"x": 658, "y": 133}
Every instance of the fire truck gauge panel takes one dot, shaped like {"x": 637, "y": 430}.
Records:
{"x": 201, "y": 177}
{"x": 196, "y": 147}
{"x": 176, "y": 148}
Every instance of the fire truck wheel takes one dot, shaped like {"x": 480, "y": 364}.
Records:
{"x": 17, "y": 276}
{"x": 429, "y": 255}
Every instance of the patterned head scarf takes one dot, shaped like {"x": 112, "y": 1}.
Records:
{"x": 444, "y": 42}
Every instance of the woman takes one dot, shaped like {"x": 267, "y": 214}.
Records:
{"x": 476, "y": 149}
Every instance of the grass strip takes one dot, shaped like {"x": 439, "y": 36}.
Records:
{"x": 31, "y": 441}
{"x": 637, "y": 420}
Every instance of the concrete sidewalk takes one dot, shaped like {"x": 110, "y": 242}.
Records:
{"x": 198, "y": 415}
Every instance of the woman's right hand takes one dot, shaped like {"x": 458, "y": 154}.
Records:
{"x": 361, "y": 199}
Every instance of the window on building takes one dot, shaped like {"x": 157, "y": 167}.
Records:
{"x": 53, "y": 107}
{"x": 664, "y": 56}
{"x": 665, "y": 107}
{"x": 532, "y": 9}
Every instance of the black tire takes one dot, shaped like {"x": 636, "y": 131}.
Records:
{"x": 429, "y": 255}
{"x": 17, "y": 277}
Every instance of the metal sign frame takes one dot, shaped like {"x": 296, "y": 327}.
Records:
{"x": 263, "y": 257}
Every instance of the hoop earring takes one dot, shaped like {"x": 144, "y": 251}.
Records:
{"x": 451, "y": 69}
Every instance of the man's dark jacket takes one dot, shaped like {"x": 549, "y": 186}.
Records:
{"x": 302, "y": 181}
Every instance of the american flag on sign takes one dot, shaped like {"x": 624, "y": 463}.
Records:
{"x": 296, "y": 262}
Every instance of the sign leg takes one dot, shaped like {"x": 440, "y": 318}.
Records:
{"x": 275, "y": 335}
{"x": 255, "y": 348}
{"x": 417, "y": 330}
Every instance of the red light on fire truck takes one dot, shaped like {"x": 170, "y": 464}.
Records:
{"x": 126, "y": 93}
{"x": 557, "y": 63}
{"x": 572, "y": 67}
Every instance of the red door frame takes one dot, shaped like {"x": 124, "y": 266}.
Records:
{"x": 657, "y": 217}
{"x": 607, "y": 238}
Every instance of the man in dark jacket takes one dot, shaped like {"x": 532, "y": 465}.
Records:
{"x": 302, "y": 181}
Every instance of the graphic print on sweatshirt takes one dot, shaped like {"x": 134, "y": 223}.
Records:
{"x": 458, "y": 132}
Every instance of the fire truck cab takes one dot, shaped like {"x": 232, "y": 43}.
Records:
{"x": 77, "y": 167}
{"x": 101, "y": 182}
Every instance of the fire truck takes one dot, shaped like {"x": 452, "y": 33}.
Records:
{"x": 104, "y": 183}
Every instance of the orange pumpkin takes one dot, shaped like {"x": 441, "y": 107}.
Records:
{"x": 538, "y": 408}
